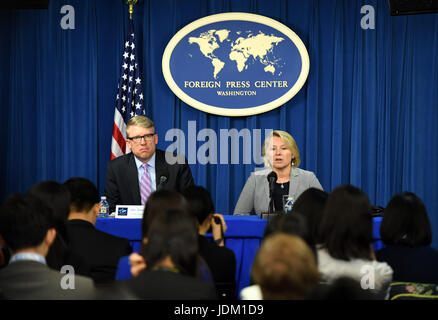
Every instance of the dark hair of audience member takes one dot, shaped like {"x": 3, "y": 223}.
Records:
{"x": 405, "y": 222}
{"x": 158, "y": 202}
{"x": 84, "y": 194}
{"x": 57, "y": 197}
{"x": 346, "y": 225}
{"x": 311, "y": 205}
{"x": 199, "y": 201}
{"x": 293, "y": 223}
{"x": 173, "y": 233}
{"x": 5, "y": 255}
{"x": 343, "y": 288}
{"x": 24, "y": 221}
{"x": 285, "y": 267}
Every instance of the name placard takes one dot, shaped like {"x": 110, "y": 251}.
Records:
{"x": 129, "y": 211}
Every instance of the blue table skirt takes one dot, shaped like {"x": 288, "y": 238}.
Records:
{"x": 243, "y": 236}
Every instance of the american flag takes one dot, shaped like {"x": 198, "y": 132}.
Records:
{"x": 129, "y": 100}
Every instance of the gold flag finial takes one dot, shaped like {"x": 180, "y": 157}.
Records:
{"x": 131, "y": 7}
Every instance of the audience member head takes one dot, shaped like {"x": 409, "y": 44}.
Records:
{"x": 285, "y": 267}
{"x": 405, "y": 222}
{"x": 311, "y": 205}
{"x": 291, "y": 223}
{"x": 85, "y": 201}
{"x": 27, "y": 224}
{"x": 172, "y": 238}
{"x": 200, "y": 203}
{"x": 157, "y": 203}
{"x": 57, "y": 197}
{"x": 346, "y": 225}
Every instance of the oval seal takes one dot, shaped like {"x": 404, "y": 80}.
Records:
{"x": 235, "y": 64}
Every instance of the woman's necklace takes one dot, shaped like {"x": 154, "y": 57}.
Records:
{"x": 282, "y": 184}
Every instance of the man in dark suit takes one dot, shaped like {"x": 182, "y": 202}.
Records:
{"x": 131, "y": 178}
{"x": 28, "y": 227}
{"x": 220, "y": 260}
{"x": 100, "y": 250}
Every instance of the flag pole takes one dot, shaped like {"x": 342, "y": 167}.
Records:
{"x": 131, "y": 7}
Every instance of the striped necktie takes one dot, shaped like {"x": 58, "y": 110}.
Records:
{"x": 145, "y": 184}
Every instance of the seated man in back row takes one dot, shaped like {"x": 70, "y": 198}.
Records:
{"x": 131, "y": 178}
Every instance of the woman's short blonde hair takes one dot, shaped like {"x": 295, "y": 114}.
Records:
{"x": 289, "y": 142}
{"x": 140, "y": 121}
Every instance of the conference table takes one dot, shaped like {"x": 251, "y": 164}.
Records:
{"x": 244, "y": 235}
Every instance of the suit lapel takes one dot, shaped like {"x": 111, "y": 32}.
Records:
{"x": 262, "y": 187}
{"x": 266, "y": 187}
{"x": 293, "y": 184}
{"x": 132, "y": 177}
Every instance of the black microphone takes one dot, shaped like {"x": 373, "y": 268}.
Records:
{"x": 163, "y": 180}
{"x": 272, "y": 178}
{"x": 218, "y": 221}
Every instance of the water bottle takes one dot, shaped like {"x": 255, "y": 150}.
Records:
{"x": 104, "y": 208}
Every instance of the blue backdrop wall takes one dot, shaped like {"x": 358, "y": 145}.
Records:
{"x": 367, "y": 115}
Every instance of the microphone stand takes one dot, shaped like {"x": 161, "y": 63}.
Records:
{"x": 271, "y": 206}
{"x": 272, "y": 177}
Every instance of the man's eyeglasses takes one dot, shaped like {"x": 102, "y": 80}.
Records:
{"x": 146, "y": 137}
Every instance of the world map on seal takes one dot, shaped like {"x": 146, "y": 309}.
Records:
{"x": 242, "y": 47}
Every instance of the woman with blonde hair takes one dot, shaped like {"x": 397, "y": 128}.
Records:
{"x": 281, "y": 156}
